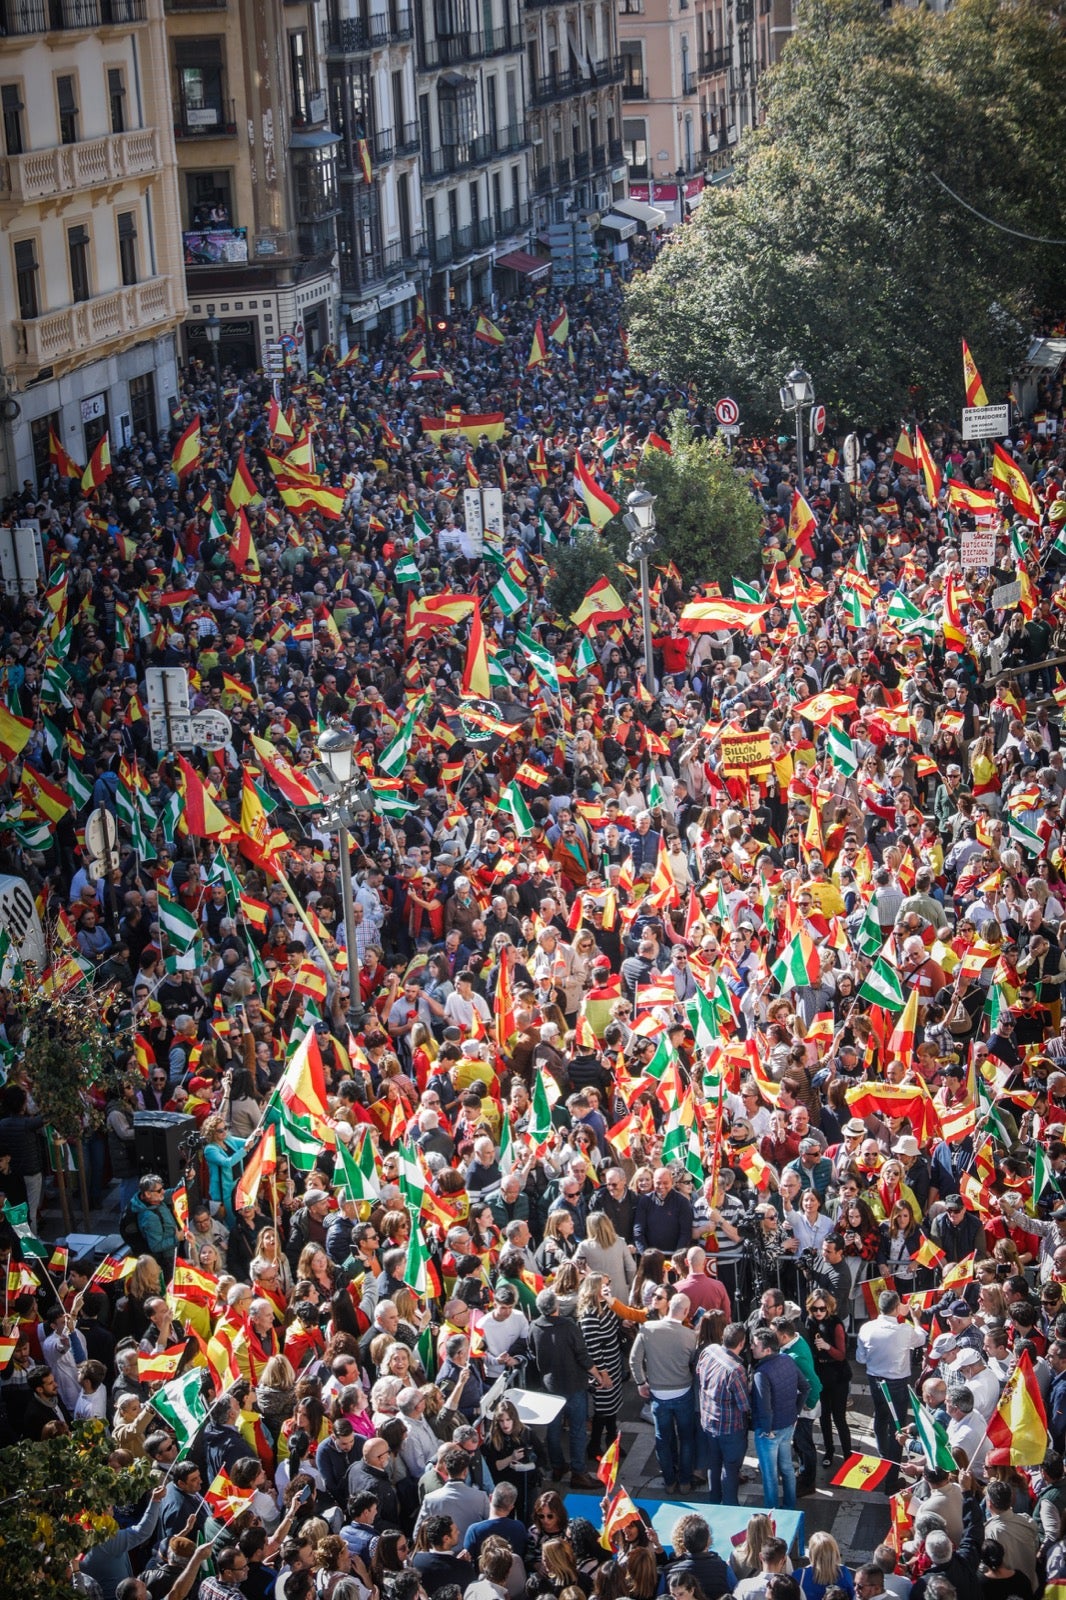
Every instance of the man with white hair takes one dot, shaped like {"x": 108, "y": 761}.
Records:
{"x": 919, "y": 971}
{"x": 661, "y": 1364}
{"x": 420, "y": 1443}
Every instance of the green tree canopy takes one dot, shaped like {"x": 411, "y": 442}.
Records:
{"x": 706, "y": 517}
{"x": 576, "y": 567}
{"x": 836, "y": 246}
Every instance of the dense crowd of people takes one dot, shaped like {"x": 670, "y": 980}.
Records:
{"x": 655, "y": 1079}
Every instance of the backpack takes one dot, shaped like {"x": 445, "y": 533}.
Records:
{"x": 130, "y": 1229}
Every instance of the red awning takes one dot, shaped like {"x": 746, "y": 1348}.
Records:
{"x": 522, "y": 262}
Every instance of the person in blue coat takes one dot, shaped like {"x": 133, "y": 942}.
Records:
{"x": 110, "y": 1562}
{"x": 225, "y": 1159}
{"x": 156, "y": 1220}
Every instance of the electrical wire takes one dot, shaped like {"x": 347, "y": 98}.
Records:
{"x": 1032, "y": 238}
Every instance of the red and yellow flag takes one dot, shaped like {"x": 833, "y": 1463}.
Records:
{"x": 189, "y": 450}
{"x": 1009, "y": 479}
{"x": 538, "y": 350}
{"x": 243, "y": 490}
{"x": 1019, "y": 1422}
{"x": 971, "y": 379}
{"x": 861, "y": 1472}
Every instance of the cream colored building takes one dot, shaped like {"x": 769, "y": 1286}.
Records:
{"x": 574, "y": 75}
{"x": 258, "y": 184}
{"x": 91, "y": 284}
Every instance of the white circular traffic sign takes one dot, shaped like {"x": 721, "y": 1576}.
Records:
{"x": 818, "y": 420}
{"x": 727, "y": 411}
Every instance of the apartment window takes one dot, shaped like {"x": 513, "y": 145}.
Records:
{"x": 299, "y": 75}
{"x": 201, "y": 105}
{"x": 631, "y": 8}
{"x": 116, "y": 94}
{"x": 68, "y": 110}
{"x": 632, "y": 68}
{"x": 12, "y": 107}
{"x": 40, "y": 429}
{"x": 26, "y": 270}
{"x": 429, "y": 207}
{"x": 142, "y": 404}
{"x": 457, "y": 104}
{"x": 635, "y": 146}
{"x": 78, "y": 252}
{"x": 208, "y": 199}
{"x": 127, "y": 246}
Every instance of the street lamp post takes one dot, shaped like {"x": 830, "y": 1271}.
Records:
{"x": 639, "y": 523}
{"x": 797, "y": 391}
{"x": 345, "y": 798}
{"x": 213, "y": 329}
{"x": 424, "y": 258}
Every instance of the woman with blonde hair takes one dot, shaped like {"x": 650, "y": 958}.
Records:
{"x": 144, "y": 1283}
{"x": 602, "y": 1333}
{"x": 604, "y": 1252}
{"x": 745, "y": 1560}
{"x": 825, "y": 1570}
{"x": 275, "y": 1393}
{"x": 224, "y": 1156}
{"x": 559, "y": 1571}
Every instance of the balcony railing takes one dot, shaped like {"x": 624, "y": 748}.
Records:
{"x": 610, "y": 70}
{"x": 513, "y": 137}
{"x": 407, "y": 139}
{"x": 204, "y": 122}
{"x": 499, "y": 42}
{"x": 712, "y": 61}
{"x": 454, "y": 157}
{"x": 582, "y": 163}
{"x": 45, "y": 340}
{"x": 542, "y": 182}
{"x": 635, "y": 90}
{"x": 21, "y": 17}
{"x": 562, "y": 173}
{"x": 614, "y": 152}
{"x": 441, "y": 250}
{"x": 688, "y": 83}
{"x": 555, "y": 86}
{"x": 599, "y": 158}
{"x": 475, "y": 236}
{"x": 347, "y": 37}
{"x": 383, "y": 146}
{"x": 67, "y": 168}
{"x": 170, "y": 6}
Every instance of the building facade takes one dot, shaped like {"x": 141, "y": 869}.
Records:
{"x": 90, "y": 266}
{"x": 574, "y": 87}
{"x": 258, "y": 181}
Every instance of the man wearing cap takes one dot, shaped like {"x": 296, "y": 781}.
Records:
{"x": 969, "y": 1368}
{"x": 948, "y": 794}
{"x": 961, "y": 1326}
{"x": 308, "y": 1225}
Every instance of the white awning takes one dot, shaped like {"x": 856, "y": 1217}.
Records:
{"x": 1046, "y": 354}
{"x": 624, "y": 227}
{"x": 650, "y": 216}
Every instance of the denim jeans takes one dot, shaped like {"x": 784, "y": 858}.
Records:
{"x": 725, "y": 1457}
{"x": 675, "y": 1437}
{"x": 774, "y": 1451}
{"x": 575, "y": 1413}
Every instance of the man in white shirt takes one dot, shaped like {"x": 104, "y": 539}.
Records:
{"x": 966, "y": 1428}
{"x": 971, "y": 1372}
{"x": 463, "y": 1002}
{"x": 884, "y": 1347}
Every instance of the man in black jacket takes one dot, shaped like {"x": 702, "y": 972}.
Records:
{"x": 334, "y": 1460}
{"x": 369, "y": 1475}
{"x": 563, "y": 1362}
{"x": 616, "y": 1201}
{"x": 692, "y": 1537}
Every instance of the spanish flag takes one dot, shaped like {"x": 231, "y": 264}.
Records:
{"x": 861, "y": 1472}
{"x": 1009, "y": 479}
{"x": 261, "y": 1164}
{"x": 225, "y": 1499}
{"x": 426, "y": 617}
{"x": 261, "y": 843}
{"x": 295, "y": 787}
{"x": 161, "y": 1365}
{"x": 476, "y": 672}
{"x": 538, "y": 350}
{"x": 189, "y": 450}
{"x": 64, "y": 464}
{"x": 242, "y": 551}
{"x": 971, "y": 379}
{"x": 232, "y": 685}
{"x": 470, "y": 424}
{"x": 1019, "y": 1422}
{"x": 487, "y": 331}
{"x": 14, "y": 734}
{"x": 903, "y": 455}
{"x": 599, "y": 504}
{"x": 603, "y": 603}
{"x": 192, "y": 1283}
{"x": 40, "y": 794}
{"x": 930, "y": 471}
{"x": 363, "y": 150}
{"x": 301, "y": 497}
{"x": 202, "y": 816}
{"x": 242, "y": 491}
{"x": 278, "y": 423}
{"x": 302, "y": 1088}
{"x": 802, "y": 524}
{"x": 99, "y": 466}
{"x": 559, "y": 330}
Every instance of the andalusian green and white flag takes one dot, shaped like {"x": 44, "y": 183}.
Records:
{"x": 221, "y": 872}
{"x": 145, "y": 626}
{"x": 994, "y": 1006}
{"x": 416, "y": 1272}
{"x": 796, "y": 966}
{"x": 932, "y": 1437}
{"x": 181, "y": 1404}
{"x": 179, "y": 926}
{"x": 412, "y": 1180}
{"x": 862, "y": 560}
{"x": 704, "y": 1021}
{"x": 508, "y": 595}
{"x": 795, "y": 617}
{"x": 512, "y": 802}
{"x": 585, "y": 659}
{"x": 655, "y": 790}
{"x": 168, "y": 820}
{"x": 507, "y": 1157}
{"x": 422, "y": 527}
{"x": 842, "y": 750}
{"x": 681, "y": 1143}
{"x": 540, "y": 1116}
{"x": 300, "y": 1145}
{"x": 545, "y": 530}
{"x": 393, "y": 758}
{"x": 53, "y": 738}
{"x": 18, "y": 1219}
{"x": 541, "y": 660}
{"x": 882, "y": 987}
{"x": 350, "y": 1174}
{"x": 746, "y": 591}
{"x": 406, "y": 571}
{"x": 78, "y": 786}
{"x": 870, "y": 939}
{"x": 1026, "y": 837}
{"x": 902, "y": 609}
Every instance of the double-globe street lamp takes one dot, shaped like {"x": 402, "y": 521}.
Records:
{"x": 797, "y": 391}
{"x": 639, "y": 523}
{"x": 345, "y": 798}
